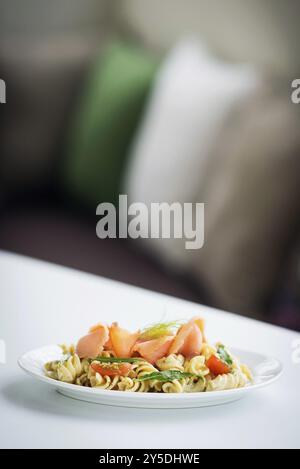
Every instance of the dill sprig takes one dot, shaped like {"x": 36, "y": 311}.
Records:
{"x": 161, "y": 329}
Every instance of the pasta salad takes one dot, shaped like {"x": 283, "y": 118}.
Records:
{"x": 170, "y": 357}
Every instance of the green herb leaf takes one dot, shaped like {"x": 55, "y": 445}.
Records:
{"x": 159, "y": 330}
{"x": 224, "y": 355}
{"x": 116, "y": 360}
{"x": 167, "y": 375}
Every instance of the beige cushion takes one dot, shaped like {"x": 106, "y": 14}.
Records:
{"x": 252, "y": 204}
{"x": 258, "y": 32}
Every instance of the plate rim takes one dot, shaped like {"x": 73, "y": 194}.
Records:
{"x": 150, "y": 396}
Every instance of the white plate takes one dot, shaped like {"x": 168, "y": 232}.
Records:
{"x": 266, "y": 370}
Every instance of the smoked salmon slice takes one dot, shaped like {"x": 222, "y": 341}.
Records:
{"x": 188, "y": 340}
{"x": 92, "y": 344}
{"x": 201, "y": 324}
{"x": 108, "y": 345}
{"x": 153, "y": 350}
{"x": 122, "y": 341}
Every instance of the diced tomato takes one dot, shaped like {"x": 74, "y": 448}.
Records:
{"x": 121, "y": 369}
{"x": 216, "y": 366}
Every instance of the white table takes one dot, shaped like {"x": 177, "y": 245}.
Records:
{"x": 41, "y": 303}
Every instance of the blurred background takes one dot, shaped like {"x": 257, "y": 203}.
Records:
{"x": 164, "y": 101}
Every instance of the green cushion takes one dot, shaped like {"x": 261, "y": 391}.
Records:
{"x": 106, "y": 122}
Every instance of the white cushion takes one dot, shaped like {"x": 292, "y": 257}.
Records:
{"x": 192, "y": 97}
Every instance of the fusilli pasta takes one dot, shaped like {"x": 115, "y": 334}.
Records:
{"x": 156, "y": 360}
{"x": 227, "y": 381}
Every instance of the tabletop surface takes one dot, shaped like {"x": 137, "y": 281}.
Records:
{"x": 42, "y": 304}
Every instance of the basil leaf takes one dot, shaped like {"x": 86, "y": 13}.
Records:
{"x": 224, "y": 355}
{"x": 167, "y": 375}
{"x": 116, "y": 360}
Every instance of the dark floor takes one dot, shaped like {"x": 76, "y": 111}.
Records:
{"x": 70, "y": 240}
{"x": 66, "y": 236}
